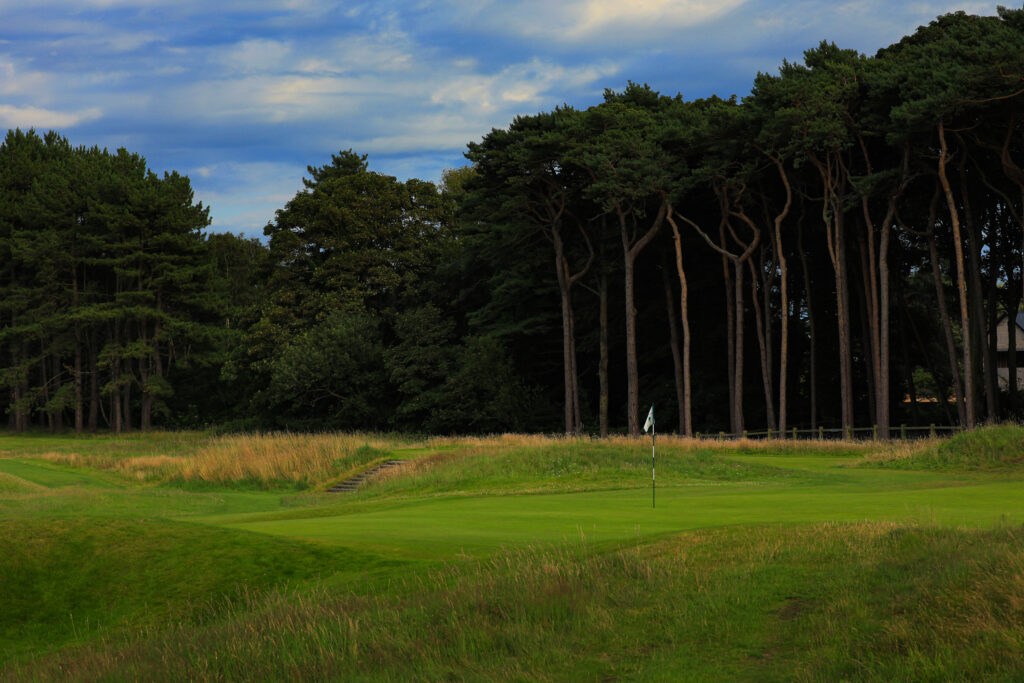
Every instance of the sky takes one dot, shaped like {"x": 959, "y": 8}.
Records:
{"x": 243, "y": 96}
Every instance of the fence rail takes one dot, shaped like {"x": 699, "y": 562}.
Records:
{"x": 838, "y": 433}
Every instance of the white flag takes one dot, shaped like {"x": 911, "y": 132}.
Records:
{"x": 650, "y": 420}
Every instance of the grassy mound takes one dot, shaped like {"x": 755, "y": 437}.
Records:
{"x": 65, "y": 580}
{"x": 10, "y": 483}
{"x": 989, "y": 448}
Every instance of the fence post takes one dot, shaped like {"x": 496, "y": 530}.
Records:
{"x": 931, "y": 430}
{"x": 821, "y": 433}
{"x": 744, "y": 433}
{"x": 794, "y": 434}
{"x": 848, "y": 436}
{"x": 721, "y": 436}
{"x": 874, "y": 432}
{"x": 903, "y": 431}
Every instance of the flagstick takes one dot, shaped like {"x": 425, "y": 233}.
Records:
{"x": 652, "y": 465}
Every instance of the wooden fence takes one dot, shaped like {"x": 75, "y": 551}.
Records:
{"x": 838, "y": 433}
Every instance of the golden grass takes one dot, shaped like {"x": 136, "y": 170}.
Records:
{"x": 258, "y": 457}
{"x": 318, "y": 458}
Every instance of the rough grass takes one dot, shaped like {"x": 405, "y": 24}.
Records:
{"x": 871, "y": 601}
{"x": 519, "y": 462}
{"x": 990, "y": 448}
{"x": 258, "y": 461}
{"x": 560, "y": 465}
{"x": 67, "y": 580}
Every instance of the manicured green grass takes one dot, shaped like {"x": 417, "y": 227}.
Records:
{"x": 522, "y": 558}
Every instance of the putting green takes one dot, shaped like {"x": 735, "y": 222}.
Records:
{"x": 446, "y": 527}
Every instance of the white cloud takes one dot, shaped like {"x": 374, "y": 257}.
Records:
{"x": 15, "y": 81}
{"x": 35, "y": 117}
{"x": 578, "y": 21}
{"x": 251, "y": 56}
{"x": 598, "y": 15}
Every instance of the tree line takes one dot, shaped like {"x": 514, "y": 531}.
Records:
{"x": 834, "y": 249}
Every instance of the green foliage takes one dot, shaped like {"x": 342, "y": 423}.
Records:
{"x": 330, "y": 375}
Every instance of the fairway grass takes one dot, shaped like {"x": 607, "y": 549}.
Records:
{"x": 515, "y": 557}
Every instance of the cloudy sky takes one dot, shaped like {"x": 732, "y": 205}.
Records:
{"x": 243, "y": 95}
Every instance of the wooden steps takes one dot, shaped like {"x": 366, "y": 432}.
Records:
{"x": 352, "y": 483}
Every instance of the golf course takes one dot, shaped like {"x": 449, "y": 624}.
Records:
{"x": 192, "y": 556}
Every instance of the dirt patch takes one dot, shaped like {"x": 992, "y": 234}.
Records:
{"x": 794, "y": 609}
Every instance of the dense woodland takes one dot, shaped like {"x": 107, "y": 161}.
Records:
{"x": 834, "y": 249}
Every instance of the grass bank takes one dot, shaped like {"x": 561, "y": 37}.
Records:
{"x": 869, "y": 601}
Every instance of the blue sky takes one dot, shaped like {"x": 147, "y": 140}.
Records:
{"x": 242, "y": 96}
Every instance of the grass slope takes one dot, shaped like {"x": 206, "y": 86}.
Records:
{"x": 69, "y": 580}
{"x": 823, "y": 602}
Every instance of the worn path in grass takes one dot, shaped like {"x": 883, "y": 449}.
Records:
{"x": 443, "y": 527}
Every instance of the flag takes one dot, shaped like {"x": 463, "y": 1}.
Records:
{"x": 650, "y": 420}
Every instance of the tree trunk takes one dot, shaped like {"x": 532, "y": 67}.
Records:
{"x": 684, "y": 308}
{"x": 976, "y": 291}
{"x": 832, "y": 216}
{"x": 673, "y": 335}
{"x": 940, "y": 298}
{"x": 766, "y": 375}
{"x": 869, "y": 325}
{"x": 780, "y": 257}
{"x": 958, "y": 247}
{"x": 567, "y": 333}
{"x": 631, "y": 249}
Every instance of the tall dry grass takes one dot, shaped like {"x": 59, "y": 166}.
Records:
{"x": 265, "y": 458}
{"x": 308, "y": 459}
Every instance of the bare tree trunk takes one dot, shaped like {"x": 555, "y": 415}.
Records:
{"x": 673, "y": 334}
{"x": 567, "y": 332}
{"x": 780, "y": 257}
{"x": 832, "y": 216}
{"x": 631, "y": 249}
{"x": 958, "y": 246}
{"x": 974, "y": 246}
{"x": 684, "y": 309}
{"x": 566, "y": 280}
{"x": 940, "y": 298}
{"x": 731, "y": 207}
{"x": 766, "y": 377}
{"x": 870, "y": 323}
